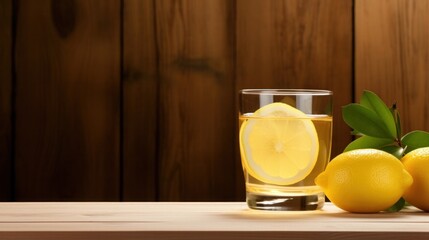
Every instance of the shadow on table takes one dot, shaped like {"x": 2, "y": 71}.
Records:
{"x": 249, "y": 214}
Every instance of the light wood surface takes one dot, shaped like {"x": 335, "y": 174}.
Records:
{"x": 197, "y": 220}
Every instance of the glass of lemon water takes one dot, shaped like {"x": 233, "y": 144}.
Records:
{"x": 285, "y": 138}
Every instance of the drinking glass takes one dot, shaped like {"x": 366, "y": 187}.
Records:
{"x": 285, "y": 138}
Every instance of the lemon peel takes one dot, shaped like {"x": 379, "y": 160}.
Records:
{"x": 416, "y": 163}
{"x": 364, "y": 180}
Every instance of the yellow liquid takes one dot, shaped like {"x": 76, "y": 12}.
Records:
{"x": 303, "y": 188}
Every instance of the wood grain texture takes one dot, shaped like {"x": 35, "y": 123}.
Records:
{"x": 196, "y": 220}
{"x": 298, "y": 44}
{"x": 5, "y": 99}
{"x": 140, "y": 100}
{"x": 212, "y": 235}
{"x": 196, "y": 103}
{"x": 392, "y": 56}
{"x": 67, "y": 100}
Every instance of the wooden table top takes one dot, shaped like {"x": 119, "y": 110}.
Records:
{"x": 200, "y": 220}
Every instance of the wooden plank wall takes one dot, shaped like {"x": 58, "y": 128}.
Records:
{"x": 392, "y": 56}
{"x": 5, "y": 100}
{"x": 297, "y": 44}
{"x": 136, "y": 99}
{"x": 196, "y": 99}
{"x": 67, "y": 100}
{"x": 140, "y": 98}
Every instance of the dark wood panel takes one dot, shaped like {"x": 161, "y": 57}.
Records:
{"x": 392, "y": 56}
{"x": 298, "y": 44}
{"x": 196, "y": 103}
{"x": 140, "y": 101}
{"x": 179, "y": 90}
{"x": 5, "y": 99}
{"x": 67, "y": 100}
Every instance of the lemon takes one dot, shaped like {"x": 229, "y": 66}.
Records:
{"x": 416, "y": 163}
{"x": 279, "y": 144}
{"x": 364, "y": 180}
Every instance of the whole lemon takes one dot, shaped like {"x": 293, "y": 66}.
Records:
{"x": 416, "y": 163}
{"x": 364, "y": 180}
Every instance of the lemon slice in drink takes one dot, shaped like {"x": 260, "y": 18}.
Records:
{"x": 279, "y": 144}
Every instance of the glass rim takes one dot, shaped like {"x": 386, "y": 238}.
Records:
{"x": 279, "y": 91}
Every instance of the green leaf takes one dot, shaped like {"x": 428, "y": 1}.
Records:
{"x": 368, "y": 142}
{"x": 357, "y": 133}
{"x": 365, "y": 120}
{"x": 397, "y": 206}
{"x": 373, "y": 102}
{"x": 395, "y": 114}
{"x": 415, "y": 139}
{"x": 395, "y": 150}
